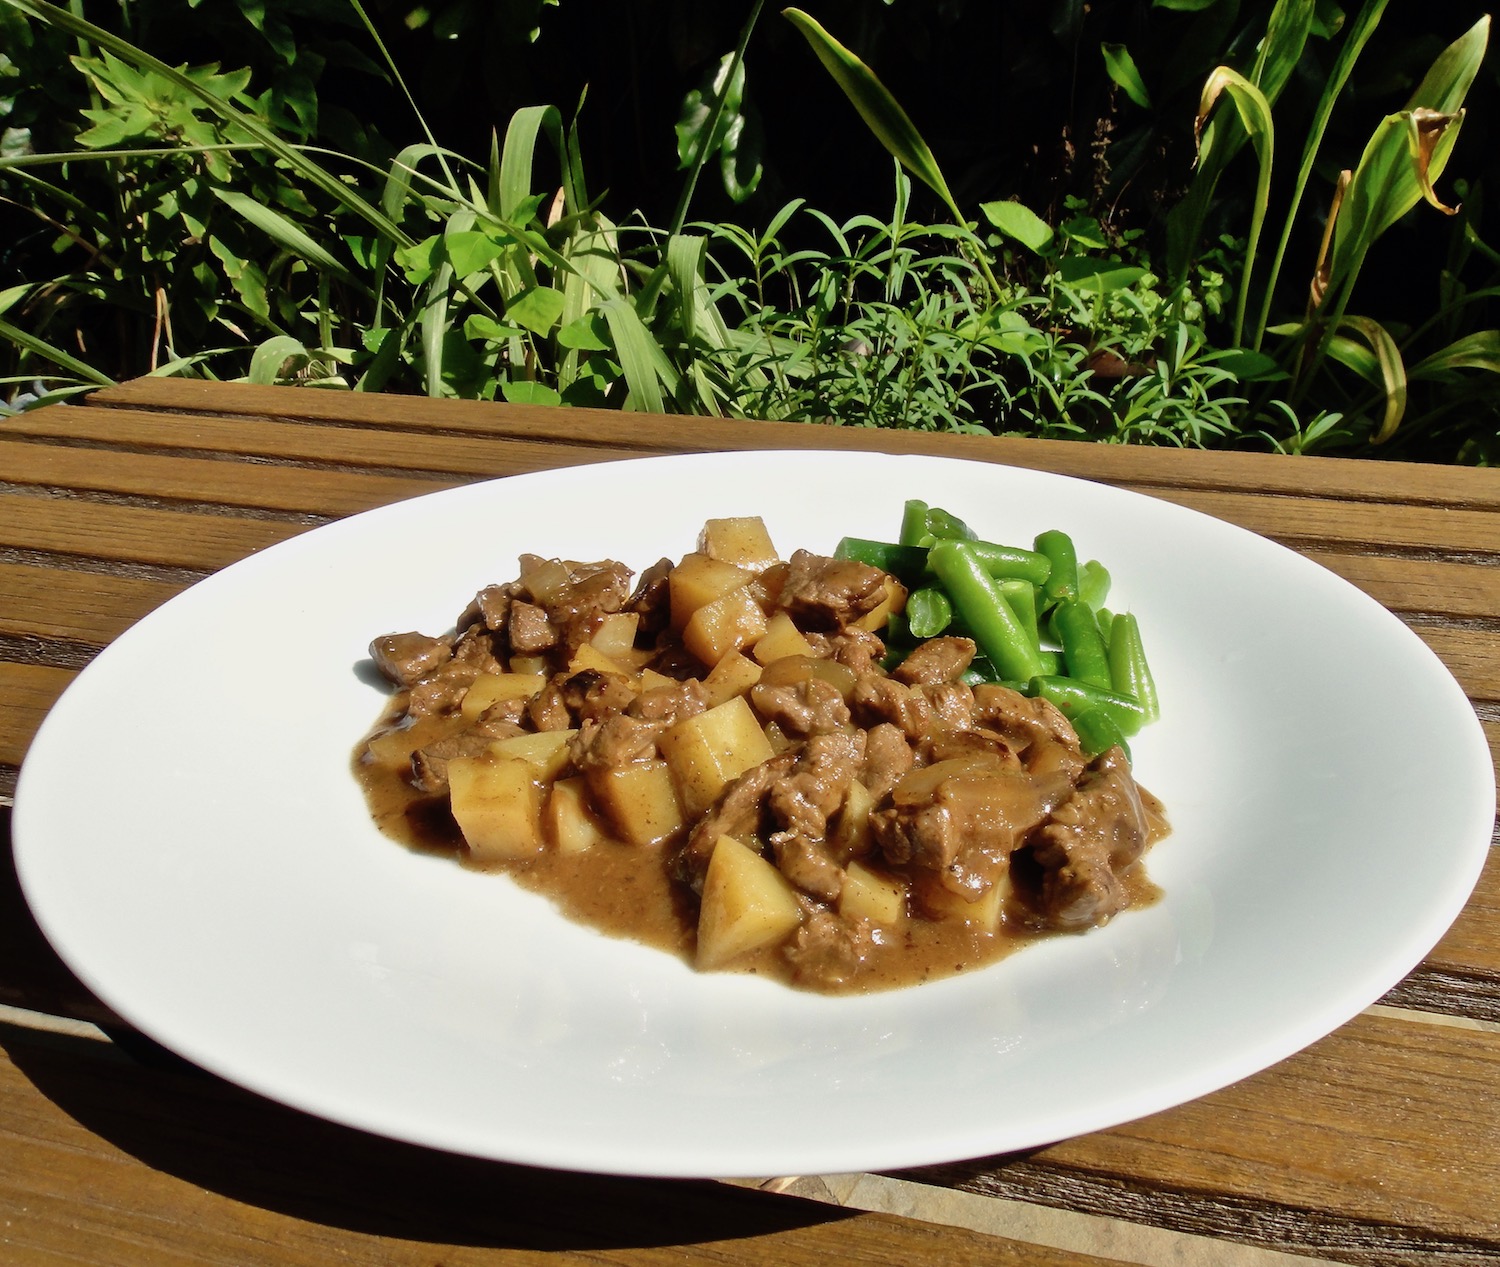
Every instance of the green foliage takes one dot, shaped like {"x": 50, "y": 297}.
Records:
{"x": 236, "y": 219}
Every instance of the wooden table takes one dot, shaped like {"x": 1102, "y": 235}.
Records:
{"x": 1378, "y": 1144}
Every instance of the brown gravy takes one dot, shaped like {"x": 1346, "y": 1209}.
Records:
{"x": 625, "y": 891}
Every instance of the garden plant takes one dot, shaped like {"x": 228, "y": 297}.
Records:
{"x": 1260, "y": 226}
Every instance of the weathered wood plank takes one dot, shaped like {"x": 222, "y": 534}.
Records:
{"x": 1472, "y": 945}
{"x": 340, "y": 447}
{"x": 27, "y": 691}
{"x": 226, "y": 483}
{"x": 1319, "y": 523}
{"x": 92, "y": 608}
{"x": 1375, "y": 1144}
{"x": 1426, "y": 586}
{"x": 134, "y": 534}
{"x": 107, "y": 1162}
{"x": 1336, "y": 477}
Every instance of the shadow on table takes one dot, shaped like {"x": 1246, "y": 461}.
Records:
{"x": 189, "y": 1124}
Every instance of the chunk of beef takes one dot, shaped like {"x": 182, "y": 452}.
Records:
{"x": 490, "y": 608}
{"x": 440, "y": 692}
{"x": 593, "y": 591}
{"x": 827, "y": 951}
{"x": 887, "y": 757}
{"x": 429, "y": 764}
{"x": 668, "y": 705}
{"x": 738, "y": 812}
{"x": 618, "y": 739}
{"x": 963, "y": 818}
{"x": 807, "y": 864}
{"x": 809, "y": 707}
{"x": 824, "y": 593}
{"x": 1024, "y": 719}
{"x": 591, "y": 695}
{"x": 529, "y": 630}
{"x": 816, "y": 784}
{"x": 1070, "y": 872}
{"x": 652, "y": 600}
{"x": 877, "y": 698}
{"x": 952, "y": 704}
{"x": 406, "y": 658}
{"x": 857, "y": 648}
{"x": 548, "y": 708}
{"x": 937, "y": 660}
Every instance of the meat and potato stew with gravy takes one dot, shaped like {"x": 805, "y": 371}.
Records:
{"x": 749, "y": 761}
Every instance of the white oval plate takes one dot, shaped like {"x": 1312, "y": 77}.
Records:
{"x": 191, "y": 840}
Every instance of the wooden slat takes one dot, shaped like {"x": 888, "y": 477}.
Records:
{"x": 1472, "y": 945}
{"x": 1319, "y": 522}
{"x": 1437, "y": 485}
{"x": 85, "y": 607}
{"x": 135, "y": 534}
{"x": 178, "y": 479}
{"x": 27, "y": 691}
{"x": 474, "y": 456}
{"x": 1419, "y": 585}
{"x": 1472, "y": 656}
{"x": 1386, "y": 1129}
{"x": 105, "y": 1162}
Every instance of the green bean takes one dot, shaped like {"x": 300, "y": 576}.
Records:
{"x": 905, "y": 563}
{"x": 914, "y": 524}
{"x": 1075, "y": 697}
{"x": 1022, "y": 599}
{"x": 943, "y": 526}
{"x": 1128, "y": 667}
{"x": 979, "y": 603}
{"x": 1083, "y": 649}
{"x": 1093, "y": 583}
{"x": 1062, "y": 580}
{"x": 1097, "y": 732}
{"x": 1013, "y": 562}
{"x": 928, "y": 612}
{"x": 1105, "y": 619}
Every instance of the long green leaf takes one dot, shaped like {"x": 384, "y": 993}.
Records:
{"x": 881, "y": 112}
{"x": 1402, "y": 160}
{"x": 1254, "y": 113}
{"x": 1388, "y": 372}
{"x": 1477, "y": 351}
{"x": 516, "y": 158}
{"x": 637, "y": 353}
{"x": 55, "y": 355}
{"x": 281, "y": 230}
{"x": 1122, "y": 70}
{"x": 270, "y": 356}
{"x": 1355, "y": 39}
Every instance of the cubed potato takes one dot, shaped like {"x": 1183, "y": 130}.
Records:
{"x": 639, "y": 802}
{"x": 872, "y": 895}
{"x": 650, "y": 679}
{"x": 546, "y": 750}
{"x": 615, "y": 636}
{"x": 726, "y": 624}
{"x": 707, "y": 750}
{"x": 570, "y": 822}
{"x": 747, "y": 904}
{"x": 850, "y": 836}
{"x": 529, "y": 664}
{"x": 893, "y": 603}
{"x": 782, "y": 638}
{"x": 589, "y": 656}
{"x": 936, "y": 902}
{"x": 743, "y": 541}
{"x": 698, "y": 579}
{"x": 498, "y": 807}
{"x": 493, "y": 688}
{"x": 393, "y": 749}
{"x": 734, "y": 674}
